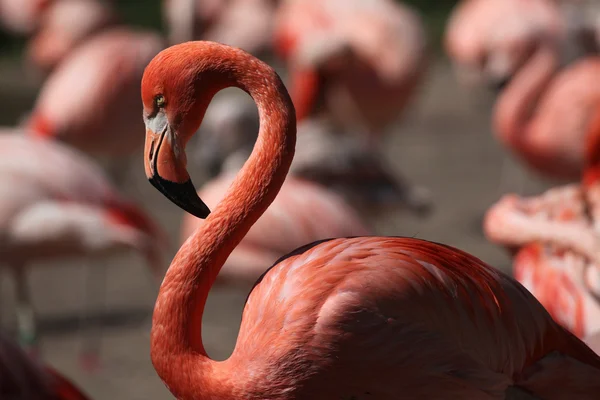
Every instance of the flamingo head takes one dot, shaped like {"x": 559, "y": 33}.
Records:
{"x": 176, "y": 90}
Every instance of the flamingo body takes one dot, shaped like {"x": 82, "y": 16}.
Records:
{"x": 88, "y": 101}
{"x": 302, "y": 213}
{"x": 22, "y": 16}
{"x": 65, "y": 25}
{"x": 533, "y": 119}
{"x": 387, "y": 43}
{"x": 380, "y": 317}
{"x": 486, "y": 39}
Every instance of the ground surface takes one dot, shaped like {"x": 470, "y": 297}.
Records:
{"x": 445, "y": 144}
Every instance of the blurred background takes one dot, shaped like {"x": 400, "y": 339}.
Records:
{"x": 441, "y": 155}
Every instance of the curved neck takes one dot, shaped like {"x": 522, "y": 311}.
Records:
{"x": 177, "y": 350}
{"x": 518, "y": 102}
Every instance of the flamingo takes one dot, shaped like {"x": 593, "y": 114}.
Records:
{"x": 303, "y": 212}
{"x": 247, "y": 24}
{"x": 88, "y": 101}
{"x": 23, "y": 379}
{"x": 594, "y": 342}
{"x": 55, "y": 203}
{"x": 556, "y": 236}
{"x": 483, "y": 35}
{"x": 533, "y": 120}
{"x": 324, "y": 155}
{"x": 65, "y": 25}
{"x": 362, "y": 60}
{"x": 380, "y": 317}
{"x": 22, "y": 16}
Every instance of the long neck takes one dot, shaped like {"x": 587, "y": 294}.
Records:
{"x": 177, "y": 350}
{"x": 517, "y": 104}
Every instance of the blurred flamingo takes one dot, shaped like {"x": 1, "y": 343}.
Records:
{"x": 247, "y": 24}
{"x": 535, "y": 122}
{"x": 22, "y": 16}
{"x": 65, "y": 25}
{"x": 359, "y": 62}
{"x": 484, "y": 35}
{"x": 594, "y": 342}
{"x": 89, "y": 101}
{"x": 324, "y": 155}
{"x": 302, "y": 213}
{"x": 55, "y": 203}
{"x": 382, "y": 317}
{"x": 557, "y": 236}
{"x": 23, "y": 379}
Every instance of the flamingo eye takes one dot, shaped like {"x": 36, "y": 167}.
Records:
{"x": 159, "y": 100}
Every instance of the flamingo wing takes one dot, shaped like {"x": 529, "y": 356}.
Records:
{"x": 359, "y": 313}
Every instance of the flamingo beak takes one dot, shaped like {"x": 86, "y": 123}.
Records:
{"x": 165, "y": 165}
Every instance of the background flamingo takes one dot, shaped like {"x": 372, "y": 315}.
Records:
{"x": 22, "y": 16}
{"x": 533, "y": 119}
{"x": 482, "y": 35}
{"x": 362, "y": 61}
{"x": 24, "y": 379}
{"x": 88, "y": 102}
{"x": 340, "y": 317}
{"x": 56, "y": 204}
{"x": 65, "y": 25}
{"x": 302, "y": 213}
{"x": 247, "y": 24}
{"x": 556, "y": 236}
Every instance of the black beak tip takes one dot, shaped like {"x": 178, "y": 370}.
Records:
{"x": 184, "y": 195}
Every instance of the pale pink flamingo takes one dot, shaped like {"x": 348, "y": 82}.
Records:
{"x": 247, "y": 24}
{"x": 380, "y": 317}
{"x": 324, "y": 155}
{"x": 360, "y": 62}
{"x": 483, "y": 36}
{"x": 65, "y": 25}
{"x": 55, "y": 203}
{"x": 22, "y": 378}
{"x": 557, "y": 237}
{"x": 543, "y": 113}
{"x": 90, "y": 99}
{"x": 22, "y": 16}
{"x": 303, "y": 212}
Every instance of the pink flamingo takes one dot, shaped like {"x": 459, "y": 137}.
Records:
{"x": 55, "y": 204}
{"x": 23, "y": 379}
{"x": 381, "y": 317}
{"x": 64, "y": 26}
{"x": 22, "y": 16}
{"x": 483, "y": 36}
{"x": 533, "y": 119}
{"x": 247, "y": 24}
{"x": 556, "y": 236}
{"x": 302, "y": 213}
{"x": 359, "y": 62}
{"x": 88, "y": 102}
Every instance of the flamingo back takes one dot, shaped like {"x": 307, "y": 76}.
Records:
{"x": 337, "y": 302}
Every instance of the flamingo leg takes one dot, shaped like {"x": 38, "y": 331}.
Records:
{"x": 95, "y": 295}
{"x": 26, "y": 324}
